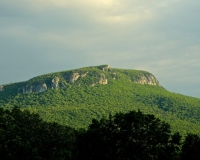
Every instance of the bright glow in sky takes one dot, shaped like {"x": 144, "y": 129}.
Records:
{"x": 161, "y": 37}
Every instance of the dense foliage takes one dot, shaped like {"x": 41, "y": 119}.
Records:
{"x": 26, "y": 136}
{"x": 191, "y": 147}
{"x": 76, "y": 104}
{"x": 133, "y": 135}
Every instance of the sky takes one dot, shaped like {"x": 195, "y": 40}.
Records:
{"x": 161, "y": 37}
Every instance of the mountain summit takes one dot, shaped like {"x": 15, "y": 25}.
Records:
{"x": 74, "y": 97}
{"x": 91, "y": 76}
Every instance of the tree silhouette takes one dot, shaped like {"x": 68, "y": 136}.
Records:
{"x": 24, "y": 135}
{"x": 191, "y": 147}
{"x": 132, "y": 135}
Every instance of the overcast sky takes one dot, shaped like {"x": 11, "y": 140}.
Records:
{"x": 159, "y": 36}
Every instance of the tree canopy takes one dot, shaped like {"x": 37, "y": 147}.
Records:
{"x": 123, "y": 136}
{"x": 132, "y": 135}
{"x": 26, "y": 136}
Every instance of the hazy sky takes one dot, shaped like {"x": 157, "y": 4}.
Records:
{"x": 159, "y": 36}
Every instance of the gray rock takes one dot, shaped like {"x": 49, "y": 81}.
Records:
{"x": 74, "y": 77}
{"x": 103, "y": 79}
{"x": 93, "y": 84}
{"x": 150, "y": 80}
{"x": 1, "y": 88}
{"x": 55, "y": 83}
{"x": 41, "y": 88}
{"x": 28, "y": 89}
{"x": 107, "y": 68}
{"x": 33, "y": 88}
{"x": 84, "y": 74}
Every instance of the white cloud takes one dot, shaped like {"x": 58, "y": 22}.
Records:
{"x": 158, "y": 36}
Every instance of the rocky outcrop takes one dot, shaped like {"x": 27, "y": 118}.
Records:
{"x": 1, "y": 88}
{"x": 74, "y": 77}
{"x": 41, "y": 88}
{"x": 106, "y": 68}
{"x": 55, "y": 83}
{"x": 147, "y": 79}
{"x": 33, "y": 88}
{"x": 84, "y": 74}
{"x": 103, "y": 79}
{"x": 98, "y": 75}
{"x": 114, "y": 75}
{"x": 28, "y": 89}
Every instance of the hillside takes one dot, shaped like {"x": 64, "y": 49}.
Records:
{"x": 74, "y": 97}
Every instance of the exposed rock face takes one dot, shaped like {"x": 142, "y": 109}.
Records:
{"x": 28, "y": 89}
{"x": 55, "y": 83}
{"x": 106, "y": 68}
{"x": 74, "y": 77}
{"x": 33, "y": 88}
{"x": 102, "y": 76}
{"x": 103, "y": 79}
{"x": 84, "y": 74}
{"x": 41, "y": 88}
{"x": 1, "y": 88}
{"x": 114, "y": 75}
{"x": 150, "y": 79}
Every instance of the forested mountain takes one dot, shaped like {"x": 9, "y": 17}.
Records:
{"x": 74, "y": 97}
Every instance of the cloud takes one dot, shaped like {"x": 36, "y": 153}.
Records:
{"x": 161, "y": 37}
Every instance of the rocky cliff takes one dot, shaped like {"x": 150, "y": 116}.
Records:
{"x": 147, "y": 79}
{"x": 1, "y": 88}
{"x": 91, "y": 76}
{"x": 33, "y": 88}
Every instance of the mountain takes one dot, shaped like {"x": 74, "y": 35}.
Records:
{"x": 85, "y": 76}
{"x": 76, "y": 96}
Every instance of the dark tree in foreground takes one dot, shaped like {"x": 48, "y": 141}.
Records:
{"x": 131, "y": 136}
{"x": 25, "y": 136}
{"x": 191, "y": 147}
{"x": 124, "y": 136}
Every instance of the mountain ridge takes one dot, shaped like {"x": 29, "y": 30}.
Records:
{"x": 77, "y": 96}
{"x": 63, "y": 78}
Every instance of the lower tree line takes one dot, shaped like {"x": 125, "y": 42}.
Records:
{"x": 123, "y": 136}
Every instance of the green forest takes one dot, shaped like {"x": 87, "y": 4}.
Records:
{"x": 78, "y": 99}
{"x": 123, "y": 136}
